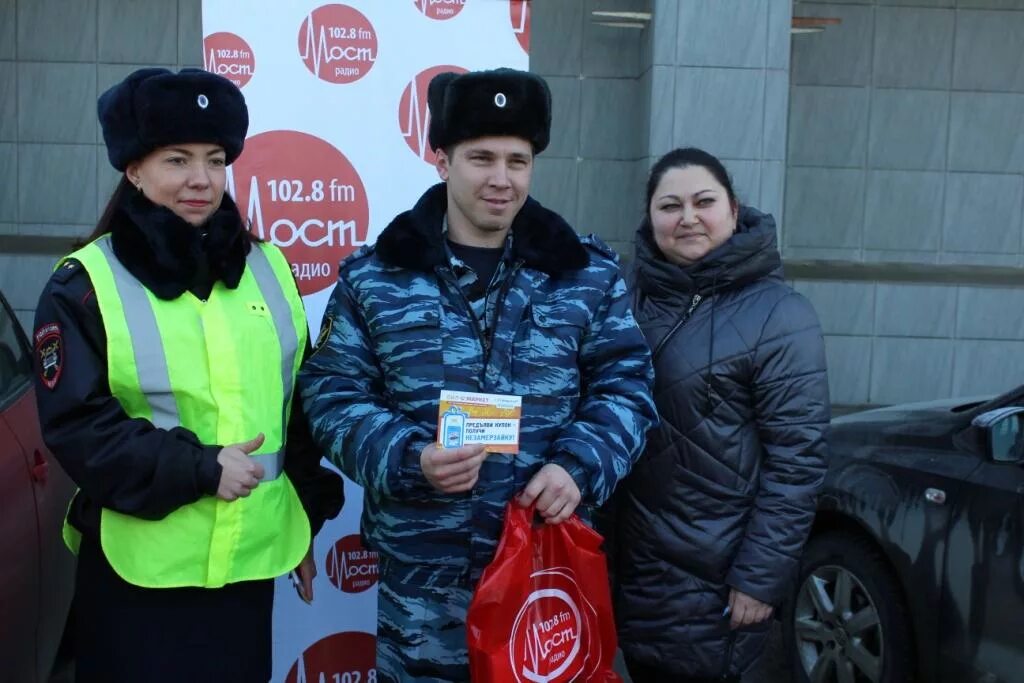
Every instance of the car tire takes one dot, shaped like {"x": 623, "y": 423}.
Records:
{"x": 847, "y": 621}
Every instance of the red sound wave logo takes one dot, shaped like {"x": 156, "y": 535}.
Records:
{"x": 228, "y": 55}
{"x": 414, "y": 114}
{"x": 519, "y": 12}
{"x": 349, "y": 657}
{"x": 337, "y": 43}
{"x": 351, "y": 567}
{"x": 441, "y": 10}
{"x": 300, "y": 193}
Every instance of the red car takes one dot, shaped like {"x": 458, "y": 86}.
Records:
{"x": 36, "y": 569}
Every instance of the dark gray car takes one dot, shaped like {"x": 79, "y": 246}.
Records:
{"x": 915, "y": 566}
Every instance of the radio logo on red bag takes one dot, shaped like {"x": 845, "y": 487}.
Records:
{"x": 349, "y": 657}
{"x": 440, "y": 9}
{"x": 519, "y": 11}
{"x": 228, "y": 55}
{"x": 337, "y": 43}
{"x": 414, "y": 115}
{"x": 300, "y": 193}
{"x": 351, "y": 567}
{"x": 550, "y": 631}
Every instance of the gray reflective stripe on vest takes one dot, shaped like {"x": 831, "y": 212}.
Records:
{"x": 273, "y": 464}
{"x": 281, "y": 314}
{"x": 141, "y": 321}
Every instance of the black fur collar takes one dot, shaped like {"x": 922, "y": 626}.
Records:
{"x": 169, "y": 256}
{"x": 542, "y": 238}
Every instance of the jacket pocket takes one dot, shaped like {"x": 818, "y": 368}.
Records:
{"x": 556, "y": 335}
{"x": 407, "y": 341}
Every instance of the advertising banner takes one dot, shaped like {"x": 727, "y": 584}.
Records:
{"x": 337, "y": 146}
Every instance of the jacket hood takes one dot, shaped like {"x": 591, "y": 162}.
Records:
{"x": 541, "y": 238}
{"x": 750, "y": 254}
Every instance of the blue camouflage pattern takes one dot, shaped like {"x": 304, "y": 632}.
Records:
{"x": 564, "y": 340}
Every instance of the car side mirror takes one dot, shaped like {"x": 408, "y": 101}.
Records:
{"x": 1003, "y": 429}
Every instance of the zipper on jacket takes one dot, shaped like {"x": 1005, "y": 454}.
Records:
{"x": 697, "y": 298}
{"x": 728, "y": 654}
{"x": 449, "y": 277}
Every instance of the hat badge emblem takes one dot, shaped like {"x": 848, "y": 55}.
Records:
{"x": 500, "y": 100}
{"x": 203, "y": 101}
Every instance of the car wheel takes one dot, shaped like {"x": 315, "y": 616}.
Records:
{"x": 848, "y": 622}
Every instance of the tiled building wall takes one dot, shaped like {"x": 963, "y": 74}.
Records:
{"x": 895, "y": 342}
{"x": 719, "y": 80}
{"x": 906, "y": 146}
{"x": 56, "y": 56}
{"x": 707, "y": 73}
{"x": 593, "y": 172}
{"x": 905, "y": 136}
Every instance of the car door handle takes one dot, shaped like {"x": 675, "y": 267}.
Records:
{"x": 936, "y": 496}
{"x": 40, "y": 468}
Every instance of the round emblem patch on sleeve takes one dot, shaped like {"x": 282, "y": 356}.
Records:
{"x": 49, "y": 353}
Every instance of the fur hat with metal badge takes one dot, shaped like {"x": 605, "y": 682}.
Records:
{"x": 153, "y": 108}
{"x": 483, "y": 103}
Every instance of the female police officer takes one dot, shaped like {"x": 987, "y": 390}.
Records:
{"x": 166, "y": 352}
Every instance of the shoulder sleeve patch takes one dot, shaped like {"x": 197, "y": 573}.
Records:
{"x": 49, "y": 349}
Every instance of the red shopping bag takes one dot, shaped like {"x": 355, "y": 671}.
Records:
{"x": 542, "y": 612}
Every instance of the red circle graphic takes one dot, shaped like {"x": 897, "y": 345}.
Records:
{"x": 337, "y": 43}
{"x": 351, "y": 567}
{"x": 554, "y": 637}
{"x": 348, "y": 657}
{"x": 519, "y": 12}
{"x": 228, "y": 55}
{"x": 442, "y": 10}
{"x": 300, "y": 193}
{"x": 414, "y": 115}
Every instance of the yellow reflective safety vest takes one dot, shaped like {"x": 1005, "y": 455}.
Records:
{"x": 224, "y": 369}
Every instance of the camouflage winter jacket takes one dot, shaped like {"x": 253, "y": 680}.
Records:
{"x": 398, "y": 330}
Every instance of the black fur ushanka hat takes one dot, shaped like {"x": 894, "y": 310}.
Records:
{"x": 482, "y": 103}
{"x": 152, "y": 108}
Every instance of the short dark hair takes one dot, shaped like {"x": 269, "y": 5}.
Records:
{"x": 685, "y": 157}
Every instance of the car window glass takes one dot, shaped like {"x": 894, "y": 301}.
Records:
{"x": 15, "y": 366}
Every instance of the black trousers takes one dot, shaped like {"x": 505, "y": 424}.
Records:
{"x": 127, "y": 634}
{"x": 642, "y": 673}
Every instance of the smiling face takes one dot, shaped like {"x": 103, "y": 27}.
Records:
{"x": 188, "y": 179}
{"x": 488, "y": 182}
{"x": 691, "y": 214}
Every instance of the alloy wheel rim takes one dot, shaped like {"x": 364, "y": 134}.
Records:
{"x": 838, "y": 633}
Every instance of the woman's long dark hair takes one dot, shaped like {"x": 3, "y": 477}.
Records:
{"x": 105, "y": 223}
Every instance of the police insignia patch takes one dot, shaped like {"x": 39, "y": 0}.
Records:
{"x": 50, "y": 353}
{"x": 325, "y": 332}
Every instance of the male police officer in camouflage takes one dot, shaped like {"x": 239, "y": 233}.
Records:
{"x": 477, "y": 288}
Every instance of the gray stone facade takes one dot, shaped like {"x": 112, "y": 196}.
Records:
{"x": 890, "y": 147}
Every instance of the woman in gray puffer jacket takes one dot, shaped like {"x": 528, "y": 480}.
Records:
{"x": 713, "y": 518}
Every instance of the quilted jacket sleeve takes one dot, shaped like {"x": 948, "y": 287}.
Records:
{"x": 343, "y": 393}
{"x": 790, "y": 390}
